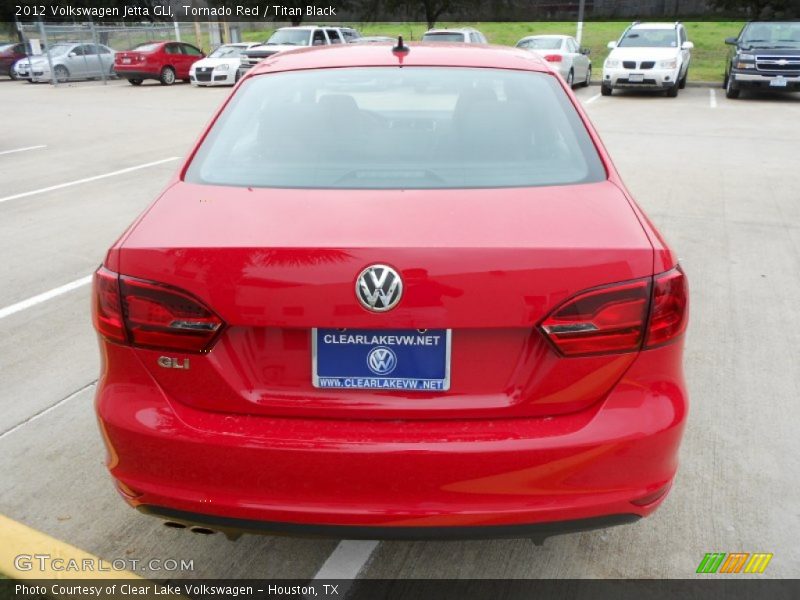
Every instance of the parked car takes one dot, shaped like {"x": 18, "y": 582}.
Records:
{"x": 564, "y": 54}
{"x": 290, "y": 38}
{"x": 70, "y": 61}
{"x": 165, "y": 62}
{"x": 765, "y": 56}
{"x": 457, "y": 323}
{"x": 221, "y": 67}
{"x": 467, "y": 35}
{"x": 653, "y": 56}
{"x": 10, "y": 53}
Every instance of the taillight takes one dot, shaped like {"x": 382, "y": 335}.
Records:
{"x": 152, "y": 315}
{"x": 553, "y": 57}
{"x": 621, "y": 317}
{"x": 670, "y": 311}
{"x": 106, "y": 305}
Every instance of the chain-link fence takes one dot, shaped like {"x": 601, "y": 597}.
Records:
{"x": 83, "y": 51}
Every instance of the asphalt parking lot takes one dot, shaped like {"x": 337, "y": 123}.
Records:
{"x": 719, "y": 179}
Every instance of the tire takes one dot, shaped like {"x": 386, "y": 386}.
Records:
{"x": 588, "y": 79}
{"x": 167, "y": 76}
{"x": 673, "y": 91}
{"x": 571, "y": 79}
{"x": 135, "y": 81}
{"x": 682, "y": 82}
{"x": 731, "y": 91}
{"x": 12, "y": 73}
{"x": 605, "y": 90}
{"x": 61, "y": 73}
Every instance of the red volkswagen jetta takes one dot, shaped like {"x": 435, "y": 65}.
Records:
{"x": 164, "y": 61}
{"x": 394, "y": 294}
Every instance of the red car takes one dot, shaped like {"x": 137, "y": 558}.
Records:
{"x": 10, "y": 53}
{"x": 164, "y": 61}
{"x": 394, "y": 293}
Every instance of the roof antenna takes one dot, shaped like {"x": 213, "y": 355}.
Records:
{"x": 401, "y": 48}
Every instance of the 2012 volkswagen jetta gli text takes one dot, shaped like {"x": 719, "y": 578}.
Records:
{"x": 394, "y": 293}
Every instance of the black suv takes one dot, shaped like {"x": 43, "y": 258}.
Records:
{"x": 765, "y": 56}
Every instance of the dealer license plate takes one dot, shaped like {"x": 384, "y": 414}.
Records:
{"x": 636, "y": 77}
{"x": 126, "y": 61}
{"x": 387, "y": 359}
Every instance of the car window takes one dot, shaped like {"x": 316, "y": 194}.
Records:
{"x": 649, "y": 38}
{"x": 172, "y": 49}
{"x": 333, "y": 35}
{"x": 191, "y": 50}
{"x": 540, "y": 44}
{"x": 149, "y": 47}
{"x": 289, "y": 37}
{"x": 784, "y": 34}
{"x": 443, "y": 37}
{"x": 319, "y": 38}
{"x": 77, "y": 50}
{"x": 89, "y": 50}
{"x": 104, "y": 50}
{"x": 416, "y": 127}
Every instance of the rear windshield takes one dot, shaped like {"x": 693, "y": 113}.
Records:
{"x": 540, "y": 44}
{"x": 390, "y": 128}
{"x": 148, "y": 47}
{"x": 443, "y": 37}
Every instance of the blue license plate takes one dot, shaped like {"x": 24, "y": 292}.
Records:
{"x": 388, "y": 359}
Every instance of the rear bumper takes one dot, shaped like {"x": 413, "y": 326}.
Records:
{"x": 126, "y": 73}
{"x": 395, "y": 479}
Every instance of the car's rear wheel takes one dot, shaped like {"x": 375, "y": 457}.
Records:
{"x": 731, "y": 90}
{"x": 571, "y": 78}
{"x": 61, "y": 73}
{"x": 588, "y": 79}
{"x": 167, "y": 76}
{"x": 135, "y": 81}
{"x": 605, "y": 89}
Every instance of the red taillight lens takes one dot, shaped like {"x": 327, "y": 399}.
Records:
{"x": 553, "y": 58}
{"x": 602, "y": 320}
{"x": 152, "y": 315}
{"x": 614, "y": 318}
{"x": 106, "y": 305}
{"x": 670, "y": 311}
{"x": 159, "y": 316}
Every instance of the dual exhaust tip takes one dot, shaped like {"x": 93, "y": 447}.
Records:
{"x": 192, "y": 528}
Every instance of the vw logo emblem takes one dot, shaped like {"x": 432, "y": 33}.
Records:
{"x": 379, "y": 288}
{"x": 381, "y": 360}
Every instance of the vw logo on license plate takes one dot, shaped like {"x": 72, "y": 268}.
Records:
{"x": 381, "y": 360}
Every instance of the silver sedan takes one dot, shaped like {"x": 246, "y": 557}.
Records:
{"x": 70, "y": 61}
{"x": 564, "y": 55}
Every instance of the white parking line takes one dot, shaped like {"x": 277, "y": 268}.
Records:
{"x": 347, "y": 560}
{"x": 87, "y": 179}
{"x": 44, "y": 296}
{"x": 712, "y": 98}
{"x": 42, "y": 413}
{"x": 22, "y": 149}
{"x": 593, "y": 98}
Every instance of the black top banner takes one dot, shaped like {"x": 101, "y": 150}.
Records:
{"x": 404, "y": 589}
{"x": 430, "y": 11}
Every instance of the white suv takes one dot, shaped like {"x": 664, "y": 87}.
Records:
{"x": 648, "y": 56}
{"x": 466, "y": 35}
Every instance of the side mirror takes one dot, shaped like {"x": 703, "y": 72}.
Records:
{"x": 732, "y": 41}
{"x": 687, "y": 46}
{"x": 72, "y": 55}
{"x": 611, "y": 45}
{"x": 586, "y": 51}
